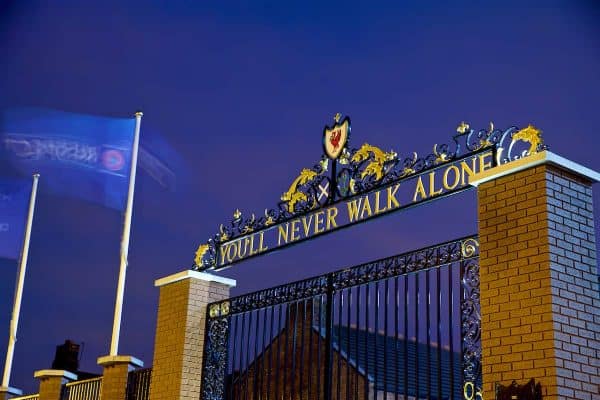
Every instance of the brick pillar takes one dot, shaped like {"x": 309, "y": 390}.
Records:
{"x": 7, "y": 393}
{"x": 540, "y": 307}
{"x": 179, "y": 342}
{"x": 52, "y": 381}
{"x": 116, "y": 372}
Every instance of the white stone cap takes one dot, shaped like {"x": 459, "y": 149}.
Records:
{"x": 187, "y": 274}
{"x": 47, "y": 373}
{"x": 110, "y": 360}
{"x": 543, "y": 157}
{"x": 11, "y": 390}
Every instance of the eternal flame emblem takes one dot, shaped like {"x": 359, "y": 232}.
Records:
{"x": 336, "y": 137}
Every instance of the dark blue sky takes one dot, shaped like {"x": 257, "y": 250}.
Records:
{"x": 242, "y": 90}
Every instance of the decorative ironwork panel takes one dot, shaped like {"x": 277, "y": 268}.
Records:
{"x": 414, "y": 261}
{"x": 215, "y": 358}
{"x": 406, "y": 325}
{"x": 471, "y": 328}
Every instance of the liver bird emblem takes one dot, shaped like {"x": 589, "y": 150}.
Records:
{"x": 335, "y": 137}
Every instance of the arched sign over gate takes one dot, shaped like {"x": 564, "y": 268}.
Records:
{"x": 349, "y": 186}
{"x": 315, "y": 337}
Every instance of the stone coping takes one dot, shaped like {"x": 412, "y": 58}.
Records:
{"x": 11, "y": 390}
{"x": 48, "y": 373}
{"x": 543, "y": 157}
{"x": 187, "y": 274}
{"x": 110, "y": 360}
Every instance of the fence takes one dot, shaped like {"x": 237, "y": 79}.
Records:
{"x": 405, "y": 326}
{"x": 27, "y": 397}
{"x": 87, "y": 389}
{"x": 138, "y": 384}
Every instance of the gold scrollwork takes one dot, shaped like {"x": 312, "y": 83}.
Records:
{"x": 248, "y": 228}
{"x": 324, "y": 164}
{"x": 294, "y": 195}
{"x": 530, "y": 135}
{"x": 202, "y": 249}
{"x": 269, "y": 219}
{"x": 439, "y": 157}
{"x": 224, "y": 236}
{"x": 344, "y": 157}
{"x": 375, "y": 167}
{"x": 470, "y": 392}
{"x": 219, "y": 309}
{"x": 214, "y": 310}
{"x": 469, "y": 247}
{"x": 225, "y": 308}
{"x": 462, "y": 128}
{"x": 237, "y": 214}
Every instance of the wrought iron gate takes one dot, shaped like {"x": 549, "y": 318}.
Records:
{"x": 403, "y": 327}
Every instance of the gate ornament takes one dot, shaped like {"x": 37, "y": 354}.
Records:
{"x": 336, "y": 137}
{"x": 294, "y": 194}
{"x": 351, "y": 185}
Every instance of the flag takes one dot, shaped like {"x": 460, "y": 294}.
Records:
{"x": 14, "y": 201}
{"x": 83, "y": 156}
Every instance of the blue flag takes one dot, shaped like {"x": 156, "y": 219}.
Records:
{"x": 77, "y": 155}
{"x": 14, "y": 200}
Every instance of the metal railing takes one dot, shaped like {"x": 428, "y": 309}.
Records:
{"x": 27, "y": 397}
{"x": 138, "y": 384}
{"x": 88, "y": 389}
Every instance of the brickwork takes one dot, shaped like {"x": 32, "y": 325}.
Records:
{"x": 51, "y": 387}
{"x": 576, "y": 302}
{"x": 114, "y": 381}
{"x": 179, "y": 343}
{"x": 539, "y": 297}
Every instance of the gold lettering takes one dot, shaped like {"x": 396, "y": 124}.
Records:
{"x": 353, "y": 207}
{"x": 469, "y": 170}
{"x": 261, "y": 246}
{"x": 366, "y": 206}
{"x": 420, "y": 190}
{"x": 239, "y": 247}
{"x": 432, "y": 191}
{"x": 377, "y": 208}
{"x": 391, "y": 197}
{"x": 223, "y": 254}
{"x": 483, "y": 165}
{"x": 331, "y": 214}
{"x": 282, "y": 234}
{"x": 307, "y": 226}
{"x": 456, "y": 177}
{"x": 231, "y": 257}
{"x": 252, "y": 249}
{"x": 319, "y": 222}
{"x": 295, "y": 230}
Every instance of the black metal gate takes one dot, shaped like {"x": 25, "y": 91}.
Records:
{"x": 403, "y": 327}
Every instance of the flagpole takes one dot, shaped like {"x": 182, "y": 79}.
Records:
{"x": 114, "y": 344}
{"x": 14, "y": 322}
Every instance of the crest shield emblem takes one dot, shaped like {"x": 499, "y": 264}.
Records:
{"x": 336, "y": 138}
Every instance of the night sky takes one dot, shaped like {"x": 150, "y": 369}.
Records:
{"x": 241, "y": 90}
